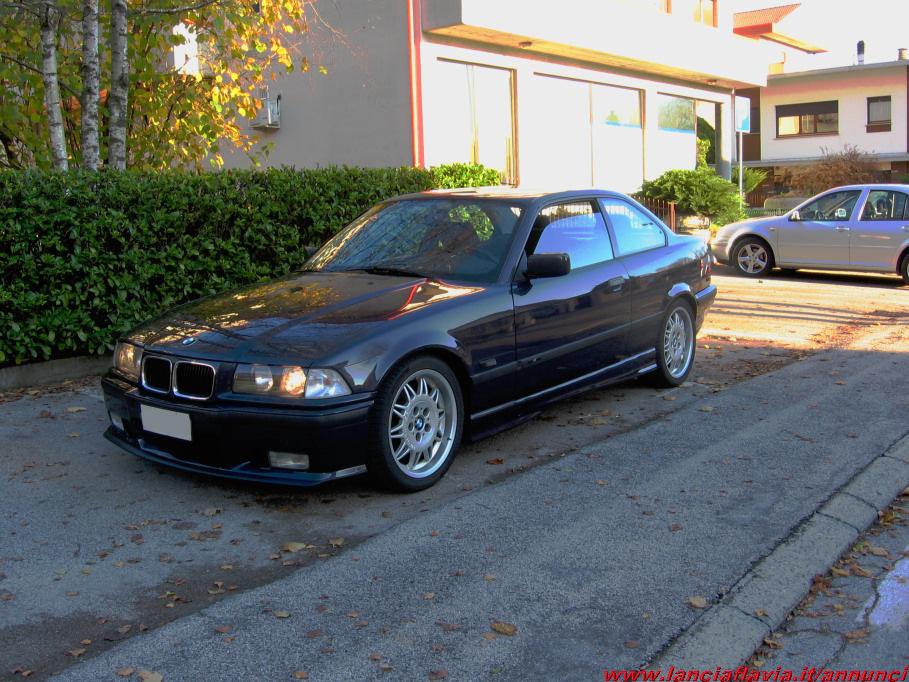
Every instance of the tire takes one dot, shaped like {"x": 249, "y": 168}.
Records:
{"x": 904, "y": 268}
{"x": 752, "y": 257}
{"x": 675, "y": 347}
{"x": 415, "y": 425}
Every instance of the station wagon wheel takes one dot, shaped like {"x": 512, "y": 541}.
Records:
{"x": 417, "y": 425}
{"x": 752, "y": 257}
{"x": 904, "y": 268}
{"x": 675, "y": 346}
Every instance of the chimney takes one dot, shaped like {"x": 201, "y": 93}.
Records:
{"x": 860, "y": 49}
{"x": 902, "y": 54}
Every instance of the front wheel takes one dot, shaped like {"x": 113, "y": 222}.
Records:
{"x": 675, "y": 347}
{"x": 416, "y": 425}
{"x": 752, "y": 258}
{"x": 904, "y": 268}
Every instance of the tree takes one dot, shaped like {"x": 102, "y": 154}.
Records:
{"x": 65, "y": 99}
{"x": 848, "y": 167}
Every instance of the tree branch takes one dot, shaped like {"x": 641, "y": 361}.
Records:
{"x": 174, "y": 10}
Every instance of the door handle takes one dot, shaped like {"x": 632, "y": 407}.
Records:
{"x": 616, "y": 283}
{"x": 842, "y": 228}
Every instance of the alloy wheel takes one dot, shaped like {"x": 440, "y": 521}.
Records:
{"x": 752, "y": 258}
{"x": 678, "y": 342}
{"x": 422, "y": 423}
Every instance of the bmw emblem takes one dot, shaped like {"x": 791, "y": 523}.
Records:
{"x": 189, "y": 341}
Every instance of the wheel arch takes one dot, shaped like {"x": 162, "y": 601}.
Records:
{"x": 681, "y": 292}
{"x": 454, "y": 361}
{"x": 902, "y": 259}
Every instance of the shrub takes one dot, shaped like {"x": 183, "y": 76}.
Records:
{"x": 751, "y": 178}
{"x": 455, "y": 175}
{"x": 848, "y": 167}
{"x": 86, "y": 256}
{"x": 698, "y": 191}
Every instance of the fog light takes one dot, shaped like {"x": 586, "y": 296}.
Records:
{"x": 288, "y": 460}
{"x": 116, "y": 420}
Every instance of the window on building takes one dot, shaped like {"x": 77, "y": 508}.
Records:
{"x": 814, "y": 118}
{"x": 479, "y": 117}
{"x": 676, "y": 114}
{"x": 885, "y": 205}
{"x": 577, "y": 229}
{"x": 878, "y": 114}
{"x": 634, "y": 231}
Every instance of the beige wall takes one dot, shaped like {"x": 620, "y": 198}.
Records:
{"x": 359, "y": 114}
{"x": 851, "y": 89}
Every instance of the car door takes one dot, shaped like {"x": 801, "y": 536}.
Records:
{"x": 818, "y": 233}
{"x": 640, "y": 244}
{"x": 569, "y": 326}
{"x": 880, "y": 229}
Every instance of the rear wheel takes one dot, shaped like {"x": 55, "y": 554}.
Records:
{"x": 675, "y": 346}
{"x": 416, "y": 425}
{"x": 751, "y": 257}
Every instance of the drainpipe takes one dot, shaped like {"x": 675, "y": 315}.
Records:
{"x": 415, "y": 36}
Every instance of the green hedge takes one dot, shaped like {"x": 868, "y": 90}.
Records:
{"x": 85, "y": 256}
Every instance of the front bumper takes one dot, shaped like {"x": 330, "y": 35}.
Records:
{"x": 705, "y": 298}
{"x": 720, "y": 251}
{"x": 232, "y": 441}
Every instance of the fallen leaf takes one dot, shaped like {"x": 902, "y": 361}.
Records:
{"x": 859, "y": 571}
{"x": 856, "y": 635}
{"x": 281, "y": 614}
{"x": 706, "y": 408}
{"x": 761, "y": 613}
{"x": 123, "y": 629}
{"x": 301, "y": 675}
{"x": 313, "y": 634}
{"x": 489, "y": 578}
{"x": 224, "y": 629}
{"x": 211, "y": 511}
{"x": 336, "y": 542}
{"x": 495, "y": 461}
{"x": 489, "y": 636}
{"x": 501, "y": 628}
{"x": 675, "y": 527}
{"x": 440, "y": 674}
{"x": 75, "y": 653}
{"x": 428, "y": 595}
{"x": 632, "y": 644}
{"x": 839, "y": 572}
{"x": 697, "y": 602}
{"x": 294, "y": 547}
{"x": 74, "y": 410}
{"x": 149, "y": 676}
{"x": 125, "y": 672}
{"x": 879, "y": 551}
{"x": 448, "y": 627}
{"x": 602, "y": 482}
{"x": 375, "y": 657}
{"x": 773, "y": 643}
{"x": 86, "y": 642}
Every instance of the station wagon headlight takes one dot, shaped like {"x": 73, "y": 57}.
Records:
{"x": 289, "y": 381}
{"x": 325, "y": 383}
{"x": 128, "y": 359}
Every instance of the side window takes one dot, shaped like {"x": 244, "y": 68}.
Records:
{"x": 634, "y": 231}
{"x": 577, "y": 229}
{"x": 830, "y": 207}
{"x": 885, "y": 205}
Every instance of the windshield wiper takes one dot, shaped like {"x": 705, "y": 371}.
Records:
{"x": 388, "y": 270}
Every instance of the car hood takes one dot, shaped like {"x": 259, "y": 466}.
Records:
{"x": 304, "y": 316}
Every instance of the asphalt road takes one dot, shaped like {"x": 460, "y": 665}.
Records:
{"x": 95, "y": 541}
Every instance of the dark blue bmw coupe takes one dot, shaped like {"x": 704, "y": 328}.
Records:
{"x": 430, "y": 318}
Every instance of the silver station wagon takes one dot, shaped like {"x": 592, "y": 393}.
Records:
{"x": 859, "y": 227}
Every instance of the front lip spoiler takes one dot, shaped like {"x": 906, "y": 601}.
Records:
{"x": 242, "y": 472}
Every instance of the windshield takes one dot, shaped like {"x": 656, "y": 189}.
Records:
{"x": 443, "y": 238}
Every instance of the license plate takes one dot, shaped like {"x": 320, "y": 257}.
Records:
{"x": 166, "y": 422}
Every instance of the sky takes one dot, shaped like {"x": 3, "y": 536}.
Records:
{"x": 838, "y": 25}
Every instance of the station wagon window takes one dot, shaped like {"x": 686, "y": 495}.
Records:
{"x": 830, "y": 207}
{"x": 577, "y": 229}
{"x": 886, "y": 205}
{"x": 634, "y": 231}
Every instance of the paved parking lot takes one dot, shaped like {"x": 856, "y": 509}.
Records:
{"x": 100, "y": 547}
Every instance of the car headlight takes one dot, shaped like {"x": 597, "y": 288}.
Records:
{"x": 325, "y": 383}
{"x": 289, "y": 381}
{"x": 128, "y": 359}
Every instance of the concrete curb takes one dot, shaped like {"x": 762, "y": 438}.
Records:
{"x": 730, "y": 631}
{"x": 52, "y": 372}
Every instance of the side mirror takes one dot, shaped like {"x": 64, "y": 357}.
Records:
{"x": 795, "y": 216}
{"x": 547, "y": 265}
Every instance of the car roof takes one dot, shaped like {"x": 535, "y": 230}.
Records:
{"x": 870, "y": 185}
{"x": 515, "y": 194}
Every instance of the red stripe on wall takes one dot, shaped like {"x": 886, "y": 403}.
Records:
{"x": 415, "y": 33}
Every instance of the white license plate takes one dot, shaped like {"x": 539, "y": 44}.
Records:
{"x": 166, "y": 422}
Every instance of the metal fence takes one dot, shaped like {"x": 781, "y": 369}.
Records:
{"x": 663, "y": 209}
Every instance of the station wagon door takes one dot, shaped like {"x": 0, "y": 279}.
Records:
{"x": 881, "y": 229}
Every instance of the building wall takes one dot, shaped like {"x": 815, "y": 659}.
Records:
{"x": 360, "y": 112}
{"x": 851, "y": 90}
{"x": 555, "y": 143}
